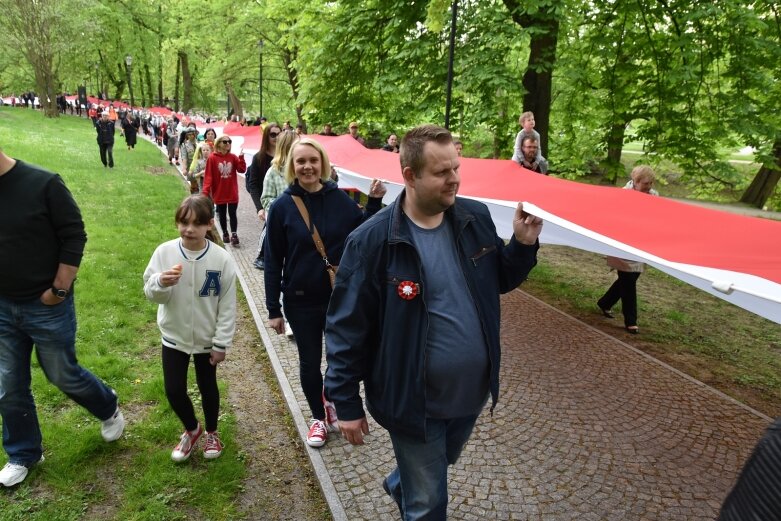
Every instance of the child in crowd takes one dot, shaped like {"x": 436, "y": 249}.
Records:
{"x": 221, "y": 183}
{"x": 526, "y": 121}
{"x": 194, "y": 282}
{"x": 173, "y": 143}
{"x": 198, "y": 166}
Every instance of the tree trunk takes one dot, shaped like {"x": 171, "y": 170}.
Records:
{"x": 187, "y": 82}
{"x": 234, "y": 101}
{"x": 766, "y": 180}
{"x": 143, "y": 89}
{"x": 612, "y": 167}
{"x": 498, "y": 146}
{"x": 538, "y": 81}
{"x": 538, "y": 78}
{"x": 288, "y": 57}
{"x": 148, "y": 79}
{"x": 160, "y": 55}
{"x": 44, "y": 82}
{"x": 176, "y": 83}
{"x": 118, "y": 81}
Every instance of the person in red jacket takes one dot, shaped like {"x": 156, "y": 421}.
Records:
{"x": 220, "y": 182}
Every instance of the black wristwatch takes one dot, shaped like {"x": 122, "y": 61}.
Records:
{"x": 60, "y": 293}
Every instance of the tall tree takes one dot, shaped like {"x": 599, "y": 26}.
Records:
{"x": 32, "y": 26}
{"x": 541, "y": 19}
{"x": 757, "y": 94}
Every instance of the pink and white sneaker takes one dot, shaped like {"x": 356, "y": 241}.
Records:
{"x": 212, "y": 447}
{"x": 187, "y": 442}
{"x": 318, "y": 434}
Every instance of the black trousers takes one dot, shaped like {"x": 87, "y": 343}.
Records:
{"x": 308, "y": 325}
{"x": 757, "y": 493}
{"x": 107, "y": 154}
{"x": 175, "y": 365}
{"x": 230, "y": 210}
{"x": 624, "y": 289}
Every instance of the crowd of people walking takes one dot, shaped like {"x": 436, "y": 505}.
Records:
{"x": 375, "y": 285}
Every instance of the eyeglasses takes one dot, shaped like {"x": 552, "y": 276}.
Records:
{"x": 226, "y": 142}
{"x": 273, "y": 134}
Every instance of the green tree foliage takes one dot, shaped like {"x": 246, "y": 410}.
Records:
{"x": 39, "y": 32}
{"x": 688, "y": 79}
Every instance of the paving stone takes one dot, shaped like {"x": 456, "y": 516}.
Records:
{"x": 586, "y": 427}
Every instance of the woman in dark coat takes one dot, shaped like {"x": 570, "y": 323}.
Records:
{"x": 130, "y": 126}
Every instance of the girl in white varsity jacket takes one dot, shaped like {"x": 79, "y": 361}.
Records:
{"x": 194, "y": 281}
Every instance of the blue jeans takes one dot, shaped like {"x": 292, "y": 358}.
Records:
{"x": 52, "y": 329}
{"x": 419, "y": 482}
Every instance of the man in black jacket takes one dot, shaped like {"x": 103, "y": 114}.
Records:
{"x": 105, "y": 129}
{"x": 42, "y": 239}
{"x": 415, "y": 316}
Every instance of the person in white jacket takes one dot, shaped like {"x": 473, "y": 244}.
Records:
{"x": 194, "y": 282}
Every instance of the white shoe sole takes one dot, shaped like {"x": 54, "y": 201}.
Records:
{"x": 115, "y": 431}
{"x": 21, "y": 477}
{"x": 315, "y": 444}
{"x": 212, "y": 456}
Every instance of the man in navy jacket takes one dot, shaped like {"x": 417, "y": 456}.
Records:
{"x": 415, "y": 316}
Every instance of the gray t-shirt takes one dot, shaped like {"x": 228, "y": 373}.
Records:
{"x": 457, "y": 364}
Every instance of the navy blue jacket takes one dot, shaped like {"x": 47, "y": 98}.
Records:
{"x": 374, "y": 335}
{"x": 292, "y": 264}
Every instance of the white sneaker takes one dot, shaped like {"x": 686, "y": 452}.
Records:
{"x": 13, "y": 473}
{"x": 112, "y": 428}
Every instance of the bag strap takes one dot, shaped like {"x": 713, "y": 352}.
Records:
{"x": 312, "y": 228}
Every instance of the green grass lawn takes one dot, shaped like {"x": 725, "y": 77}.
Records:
{"x": 128, "y": 211}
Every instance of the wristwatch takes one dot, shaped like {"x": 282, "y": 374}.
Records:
{"x": 60, "y": 293}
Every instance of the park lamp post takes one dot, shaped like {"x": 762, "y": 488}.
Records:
{"x": 260, "y": 76}
{"x": 129, "y": 63}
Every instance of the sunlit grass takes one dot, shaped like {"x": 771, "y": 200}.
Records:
{"x": 127, "y": 211}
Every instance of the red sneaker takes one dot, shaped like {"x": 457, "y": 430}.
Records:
{"x": 186, "y": 444}
{"x": 318, "y": 433}
{"x": 213, "y": 446}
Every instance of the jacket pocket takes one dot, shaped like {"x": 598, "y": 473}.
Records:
{"x": 482, "y": 252}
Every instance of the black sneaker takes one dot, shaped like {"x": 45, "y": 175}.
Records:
{"x": 258, "y": 264}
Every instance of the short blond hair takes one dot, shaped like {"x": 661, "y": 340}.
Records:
{"x": 325, "y": 164}
{"x": 641, "y": 173}
{"x": 526, "y": 115}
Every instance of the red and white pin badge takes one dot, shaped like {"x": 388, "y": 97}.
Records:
{"x": 407, "y": 290}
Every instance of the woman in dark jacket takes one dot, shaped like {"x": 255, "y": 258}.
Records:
{"x": 256, "y": 174}
{"x": 130, "y": 126}
{"x": 296, "y": 269}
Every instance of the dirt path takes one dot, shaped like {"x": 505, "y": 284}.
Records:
{"x": 279, "y": 483}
